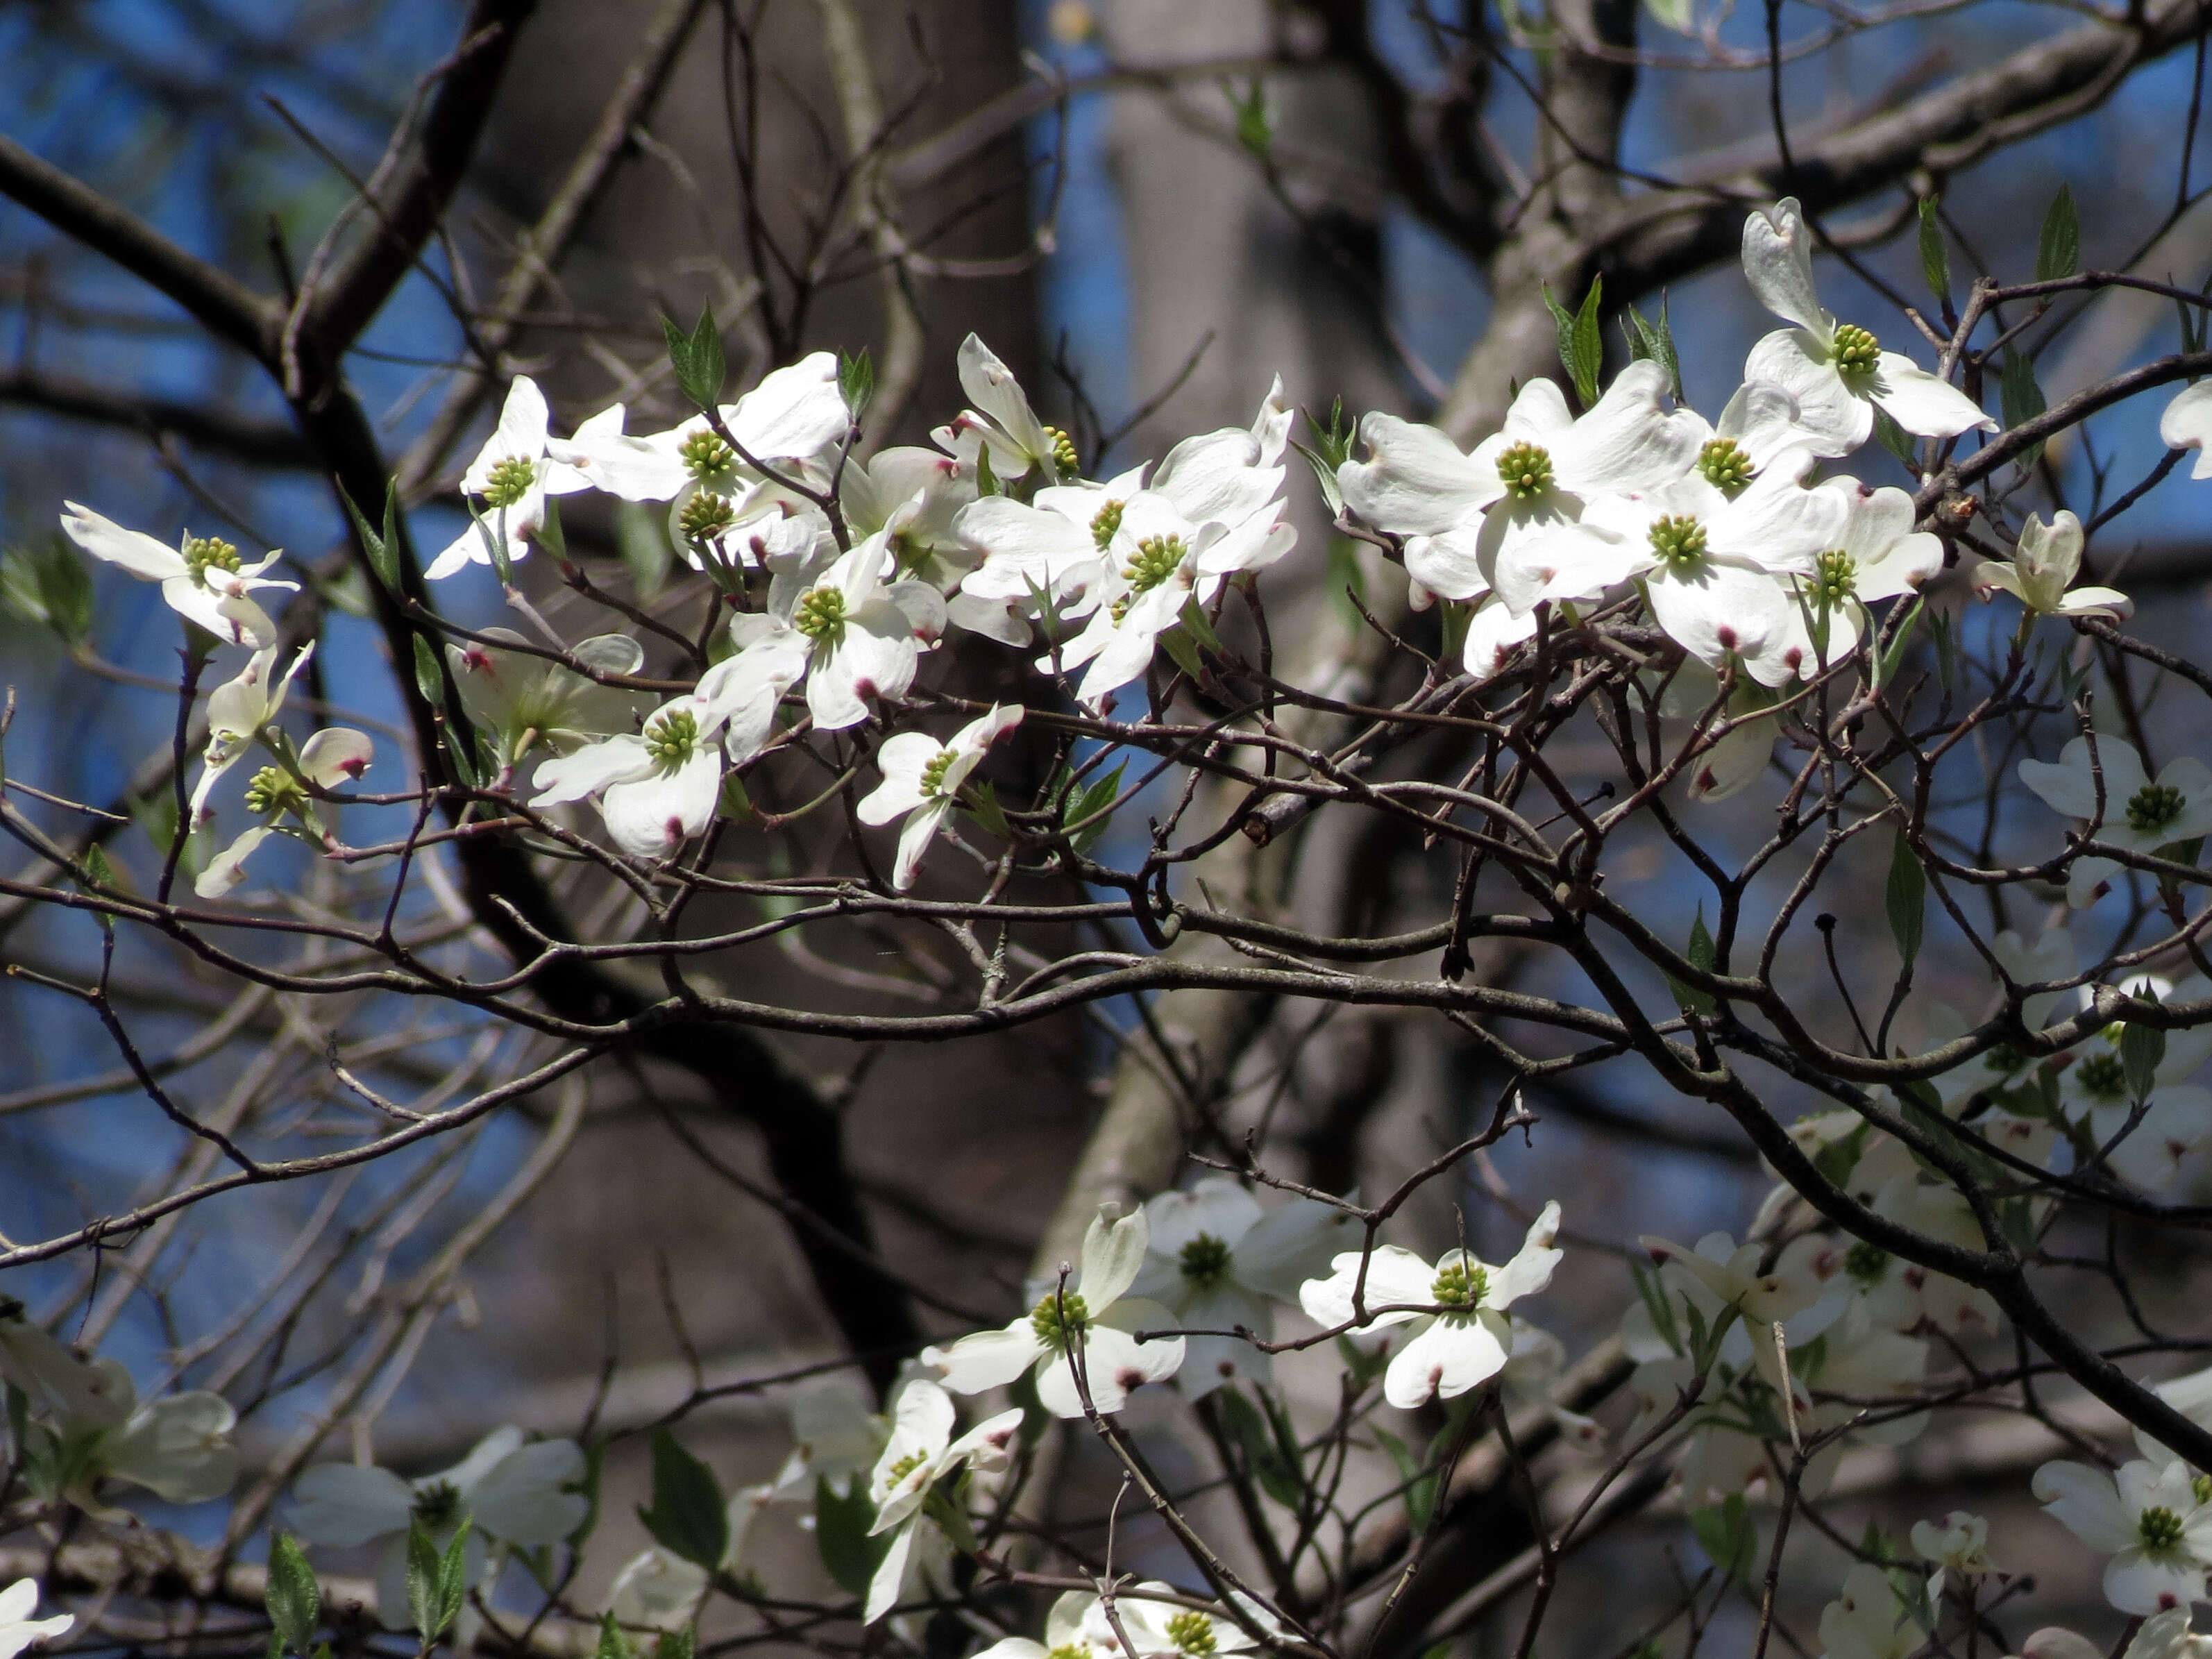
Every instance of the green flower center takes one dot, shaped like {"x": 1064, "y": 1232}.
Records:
{"x": 1158, "y": 558}
{"x": 2005, "y": 1060}
{"x": 820, "y": 613}
{"x": 1064, "y": 461}
{"x": 1835, "y": 578}
{"x": 1866, "y": 1262}
{"x": 1525, "y": 470}
{"x": 1725, "y": 466}
{"x": 204, "y": 553}
{"x": 1204, "y": 1260}
{"x": 1059, "y": 1318}
{"x": 2200, "y": 1486}
{"x": 271, "y": 790}
{"x": 1191, "y": 1632}
{"x": 510, "y": 481}
{"x": 1855, "y": 353}
{"x": 2160, "y": 1528}
{"x": 2153, "y": 807}
{"x": 1680, "y": 542}
{"x": 705, "y": 455}
{"x": 670, "y": 736}
{"x": 437, "y": 1506}
{"x": 1459, "y": 1285}
{"x": 904, "y": 1467}
{"x": 704, "y": 515}
{"x": 1104, "y": 525}
{"x": 2102, "y": 1077}
{"x": 933, "y": 775}
{"x": 1069, "y": 1651}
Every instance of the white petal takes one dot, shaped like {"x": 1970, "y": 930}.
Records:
{"x": 1415, "y": 481}
{"x": 227, "y": 868}
{"x": 651, "y": 816}
{"x": 2070, "y": 786}
{"x": 1288, "y": 1245}
{"x": 2085, "y": 1501}
{"x": 1777, "y": 264}
{"x": 890, "y": 1573}
{"x": 1530, "y": 1270}
{"x": 1627, "y": 441}
{"x": 1396, "y": 1278}
{"x": 1717, "y": 610}
{"x": 1922, "y": 403}
{"x": 1835, "y": 420}
{"x": 342, "y": 1504}
{"x": 913, "y": 841}
{"x": 992, "y": 387}
{"x": 521, "y": 1499}
{"x": 987, "y": 1359}
{"x": 796, "y": 411}
{"x": 1449, "y": 1358}
{"x": 2136, "y": 1582}
{"x": 336, "y": 756}
{"x": 591, "y": 769}
{"x": 108, "y": 541}
{"x": 1113, "y": 1252}
{"x": 2185, "y": 425}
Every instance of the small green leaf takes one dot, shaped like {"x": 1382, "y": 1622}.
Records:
{"x": 2058, "y": 249}
{"x": 429, "y": 673}
{"x": 422, "y": 1582}
{"x": 642, "y": 536}
{"x": 677, "y": 1644}
{"x": 986, "y": 482}
{"x": 1087, "y": 818}
{"x": 1887, "y": 664}
{"x": 2021, "y": 398}
{"x": 1278, "y": 1477}
{"x": 841, "y": 1533}
{"x": 1183, "y": 650}
{"x": 382, "y": 548}
{"x": 1897, "y": 440}
{"x": 1254, "y": 130}
{"x": 613, "y": 1644}
{"x": 1698, "y": 954}
{"x": 293, "y": 1596}
{"x": 1728, "y": 1536}
{"x": 49, "y": 582}
{"x": 687, "y": 1517}
{"x": 1906, "y": 896}
{"x": 982, "y": 803}
{"x": 856, "y": 381}
{"x": 1656, "y": 341}
{"x": 453, "y": 1577}
{"x": 1582, "y": 352}
{"x": 1934, "y": 256}
{"x": 697, "y": 358}
{"x": 2142, "y": 1050}
{"x": 1421, "y": 1493}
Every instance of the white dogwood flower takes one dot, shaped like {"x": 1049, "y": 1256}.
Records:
{"x": 1094, "y": 1315}
{"x": 511, "y": 475}
{"x": 922, "y": 779}
{"x": 19, "y": 1627}
{"x": 203, "y": 579}
{"x": 529, "y": 703}
{"x": 1878, "y": 556}
{"x": 1838, "y": 374}
{"x": 2042, "y": 570}
{"x": 920, "y": 1454}
{"x": 1002, "y": 422}
{"x": 2129, "y": 811}
{"x": 656, "y": 788}
{"x": 1867, "y": 1620}
{"x": 2147, "y": 1517}
{"x": 1960, "y": 1545}
{"x": 518, "y": 1493}
{"x": 1071, "y": 1632}
{"x": 2187, "y": 423}
{"x": 331, "y": 758}
{"x": 1461, "y": 1345}
{"x": 1218, "y": 1260}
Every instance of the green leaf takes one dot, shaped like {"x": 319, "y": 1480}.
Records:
{"x": 49, "y": 582}
{"x": 642, "y": 536}
{"x": 613, "y": 1644}
{"x": 1728, "y": 1536}
{"x": 986, "y": 482}
{"x": 1887, "y": 664}
{"x": 697, "y": 359}
{"x": 1421, "y": 1493}
{"x": 677, "y": 1644}
{"x": 1254, "y": 130}
{"x": 856, "y": 381}
{"x": 1655, "y": 341}
{"x": 383, "y": 548}
{"x": 422, "y": 1582}
{"x": 1897, "y": 440}
{"x": 1906, "y": 896}
{"x": 840, "y": 1533}
{"x": 2143, "y": 1049}
{"x": 429, "y": 673}
{"x": 982, "y": 803}
{"x": 1581, "y": 350}
{"x": 295, "y": 1599}
{"x": 1183, "y": 650}
{"x": 1946, "y": 650}
{"x": 1279, "y": 1479}
{"x": 687, "y": 1517}
{"x": 1934, "y": 256}
{"x": 1699, "y": 955}
{"x": 2058, "y": 249}
{"x": 2021, "y": 398}
{"x": 1087, "y": 818}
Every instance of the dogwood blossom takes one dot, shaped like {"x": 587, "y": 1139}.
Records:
{"x": 922, "y": 779}
{"x": 512, "y": 474}
{"x": 1867, "y": 1620}
{"x": 656, "y": 788}
{"x": 1094, "y": 1315}
{"x": 921, "y": 1455}
{"x": 1878, "y": 556}
{"x": 2147, "y": 1517}
{"x": 1071, "y": 1632}
{"x": 1218, "y": 1260}
{"x": 2103, "y": 781}
{"x": 19, "y": 1629}
{"x": 1461, "y": 1345}
{"x": 2042, "y": 570}
{"x": 526, "y": 702}
{"x": 1836, "y": 373}
{"x": 1960, "y": 1545}
{"x": 1002, "y": 423}
{"x": 2187, "y": 423}
{"x": 1157, "y": 1627}
{"x": 204, "y": 580}
{"x": 520, "y": 1493}
{"x": 329, "y": 759}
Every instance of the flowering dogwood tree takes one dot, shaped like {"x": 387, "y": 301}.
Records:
{"x": 882, "y": 746}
